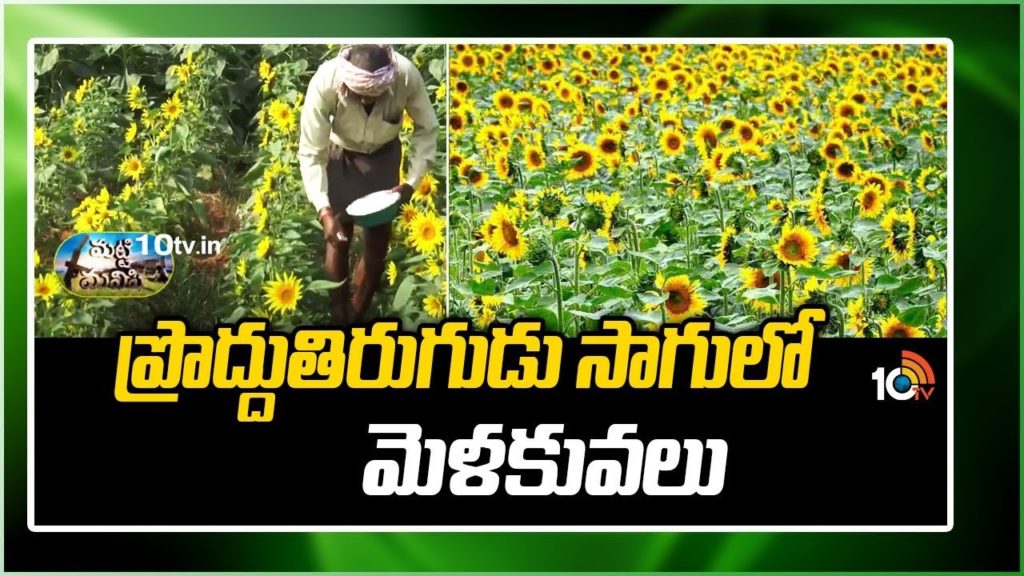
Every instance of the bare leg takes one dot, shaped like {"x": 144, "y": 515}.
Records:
{"x": 336, "y": 266}
{"x": 370, "y": 269}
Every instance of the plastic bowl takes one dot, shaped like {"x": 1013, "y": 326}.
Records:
{"x": 375, "y": 208}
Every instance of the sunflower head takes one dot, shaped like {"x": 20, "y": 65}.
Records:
{"x": 683, "y": 298}
{"x": 796, "y": 246}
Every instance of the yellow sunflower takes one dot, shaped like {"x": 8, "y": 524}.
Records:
{"x": 132, "y": 167}
{"x": 856, "y": 317}
{"x": 706, "y": 138}
{"x": 68, "y": 154}
{"x": 671, "y": 142}
{"x": 584, "y": 158}
{"x": 870, "y": 200}
{"x": 172, "y": 108}
{"x": 282, "y": 294}
{"x": 534, "y": 157}
{"x": 433, "y": 306}
{"x": 608, "y": 147}
{"x": 846, "y": 170}
{"x": 47, "y": 286}
{"x": 796, "y": 246}
{"x": 892, "y": 327}
{"x": 506, "y": 237}
{"x": 684, "y": 301}
{"x": 392, "y": 273}
{"x": 426, "y": 232}
{"x": 263, "y": 248}
{"x": 900, "y": 240}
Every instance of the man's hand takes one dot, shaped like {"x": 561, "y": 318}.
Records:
{"x": 405, "y": 190}
{"x": 332, "y": 230}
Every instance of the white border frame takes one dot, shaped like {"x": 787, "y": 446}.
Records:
{"x": 448, "y": 41}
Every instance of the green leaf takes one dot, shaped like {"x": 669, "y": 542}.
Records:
{"x": 589, "y": 315}
{"x": 200, "y": 210}
{"x": 237, "y": 314}
{"x": 908, "y": 287}
{"x": 323, "y": 286}
{"x": 653, "y": 317}
{"x": 403, "y": 293}
{"x": 886, "y": 282}
{"x": 49, "y": 61}
{"x": 436, "y": 69}
{"x": 915, "y": 316}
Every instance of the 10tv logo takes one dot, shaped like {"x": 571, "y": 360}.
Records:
{"x": 914, "y": 379}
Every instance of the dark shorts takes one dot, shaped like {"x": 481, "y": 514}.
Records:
{"x": 355, "y": 175}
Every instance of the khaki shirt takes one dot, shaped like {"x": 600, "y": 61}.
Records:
{"x": 328, "y": 117}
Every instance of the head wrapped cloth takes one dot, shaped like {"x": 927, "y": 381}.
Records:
{"x": 365, "y": 82}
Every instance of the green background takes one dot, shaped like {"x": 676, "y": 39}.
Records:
{"x": 985, "y": 100}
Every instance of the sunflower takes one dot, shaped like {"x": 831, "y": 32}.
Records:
{"x": 172, "y": 108}
{"x": 753, "y": 278}
{"x": 706, "y": 138}
{"x": 777, "y": 106}
{"x": 47, "y": 286}
{"x": 505, "y": 101}
{"x": 469, "y": 171}
{"x": 133, "y": 130}
{"x": 433, "y": 306}
{"x": 842, "y": 259}
{"x": 282, "y": 294}
{"x": 927, "y": 142}
{"x": 426, "y": 232}
{"x": 506, "y": 237}
{"x": 883, "y": 183}
{"x": 584, "y": 157}
{"x": 833, "y": 150}
{"x": 671, "y": 142}
{"x": 900, "y": 240}
{"x": 856, "y": 316}
{"x": 534, "y": 156}
{"x": 846, "y": 170}
{"x": 796, "y": 246}
{"x": 726, "y": 246}
{"x": 263, "y": 248}
{"x": 456, "y": 122}
{"x": 282, "y": 115}
{"x": 819, "y": 213}
{"x": 870, "y": 200}
{"x": 684, "y": 301}
{"x": 392, "y": 273}
{"x": 746, "y": 133}
{"x": 426, "y": 189}
{"x": 892, "y": 327}
{"x": 132, "y": 167}
{"x": 608, "y": 148}
{"x": 928, "y": 182}
{"x": 68, "y": 154}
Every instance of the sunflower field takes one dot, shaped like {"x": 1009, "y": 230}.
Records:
{"x": 199, "y": 141}
{"x": 734, "y": 182}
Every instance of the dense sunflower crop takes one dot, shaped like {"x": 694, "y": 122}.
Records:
{"x": 200, "y": 141}
{"x": 665, "y": 182}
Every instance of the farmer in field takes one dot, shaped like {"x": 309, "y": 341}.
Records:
{"x": 349, "y": 148}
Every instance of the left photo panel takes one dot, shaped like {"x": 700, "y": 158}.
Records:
{"x": 302, "y": 183}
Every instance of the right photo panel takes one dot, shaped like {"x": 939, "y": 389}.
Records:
{"x": 736, "y": 182}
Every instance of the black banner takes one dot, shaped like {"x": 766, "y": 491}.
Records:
{"x": 830, "y": 455}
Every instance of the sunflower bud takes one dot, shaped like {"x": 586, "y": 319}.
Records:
{"x": 592, "y": 218}
{"x": 881, "y": 303}
{"x": 899, "y": 151}
{"x": 815, "y": 160}
{"x": 537, "y": 253}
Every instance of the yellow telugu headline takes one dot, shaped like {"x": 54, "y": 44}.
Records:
{"x": 152, "y": 367}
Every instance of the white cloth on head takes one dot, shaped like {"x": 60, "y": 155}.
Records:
{"x": 365, "y": 82}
